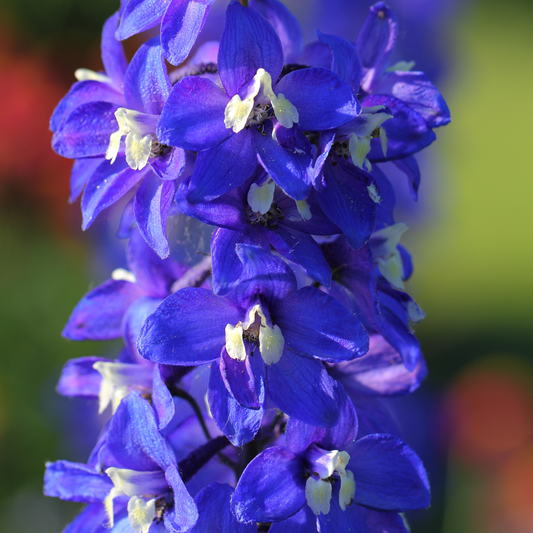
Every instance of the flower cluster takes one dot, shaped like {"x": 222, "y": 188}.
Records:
{"x": 247, "y": 394}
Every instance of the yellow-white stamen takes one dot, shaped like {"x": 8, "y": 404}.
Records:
{"x": 84, "y": 74}
{"x": 303, "y": 209}
{"x": 386, "y": 254}
{"x": 260, "y": 198}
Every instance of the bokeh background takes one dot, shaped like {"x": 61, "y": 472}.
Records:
{"x": 470, "y": 235}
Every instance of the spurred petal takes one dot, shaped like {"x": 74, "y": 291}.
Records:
{"x": 248, "y": 43}
{"x": 316, "y": 325}
{"x": 238, "y": 423}
{"x": 98, "y": 316}
{"x": 324, "y": 101}
{"x": 193, "y": 116}
{"x": 188, "y": 328}
{"x": 271, "y": 487}
{"x": 389, "y": 475}
{"x": 146, "y": 86}
{"x": 181, "y": 24}
{"x": 302, "y": 388}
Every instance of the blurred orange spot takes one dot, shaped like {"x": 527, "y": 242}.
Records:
{"x": 489, "y": 413}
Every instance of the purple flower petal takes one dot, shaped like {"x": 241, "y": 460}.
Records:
{"x": 151, "y": 207}
{"x": 238, "y": 423}
{"x": 113, "y": 56}
{"x": 239, "y": 379}
{"x": 134, "y": 319}
{"x": 162, "y": 400}
{"x": 193, "y": 116}
{"x": 302, "y": 388}
{"x": 223, "y": 168}
{"x": 304, "y": 521}
{"x": 86, "y": 131}
{"x": 409, "y": 166}
{"x": 324, "y": 101}
{"x": 248, "y": 43}
{"x": 146, "y": 86}
{"x": 109, "y": 183}
{"x": 81, "y": 172}
{"x": 271, "y": 488}
{"x": 140, "y": 15}
{"x": 389, "y": 475}
{"x": 184, "y": 514}
{"x": 98, "y": 316}
{"x": 79, "y": 378}
{"x": 336, "y": 520}
{"x": 188, "y": 328}
{"x": 76, "y": 482}
{"x": 316, "y": 325}
{"x": 169, "y": 166}
{"x": 181, "y": 25}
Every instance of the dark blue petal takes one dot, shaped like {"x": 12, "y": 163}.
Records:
{"x": 271, "y": 488}
{"x": 184, "y": 514}
{"x": 151, "y": 207}
{"x": 304, "y": 521}
{"x": 223, "y": 168}
{"x": 227, "y": 211}
{"x": 286, "y": 25}
{"x": 188, "y": 328}
{"x": 389, "y": 475}
{"x": 98, "y": 316}
{"x": 76, "y": 482}
{"x": 238, "y": 423}
{"x": 181, "y": 24}
{"x": 214, "y": 509}
{"x": 385, "y": 522}
{"x": 227, "y": 268}
{"x": 154, "y": 275}
{"x": 323, "y": 100}
{"x": 82, "y": 170}
{"x": 343, "y": 196}
{"x": 346, "y": 62}
{"x": 376, "y": 42}
{"x": 84, "y": 92}
{"x": 372, "y": 415}
{"x": 169, "y": 166}
{"x": 248, "y": 43}
{"x": 287, "y": 158}
{"x": 113, "y": 57}
{"x": 193, "y": 116}
{"x": 140, "y": 15}
{"x": 108, "y": 183}
{"x": 86, "y": 131}
{"x": 146, "y": 86}
{"x": 316, "y": 325}
{"x": 385, "y": 208}
{"x": 79, "y": 378}
{"x": 301, "y": 249}
{"x": 239, "y": 379}
{"x": 350, "y": 521}
{"x": 302, "y": 388}
{"x": 133, "y": 438}
{"x": 339, "y": 437}
{"x": 409, "y": 166}
{"x": 407, "y": 132}
{"x": 414, "y": 89}
{"x": 262, "y": 274}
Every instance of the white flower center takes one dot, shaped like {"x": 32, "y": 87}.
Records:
{"x": 253, "y": 109}
{"x": 139, "y": 129}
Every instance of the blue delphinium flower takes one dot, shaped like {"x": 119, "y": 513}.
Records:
{"x": 253, "y": 117}
{"x": 331, "y": 473}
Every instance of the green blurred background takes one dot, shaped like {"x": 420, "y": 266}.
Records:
{"x": 472, "y": 421}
